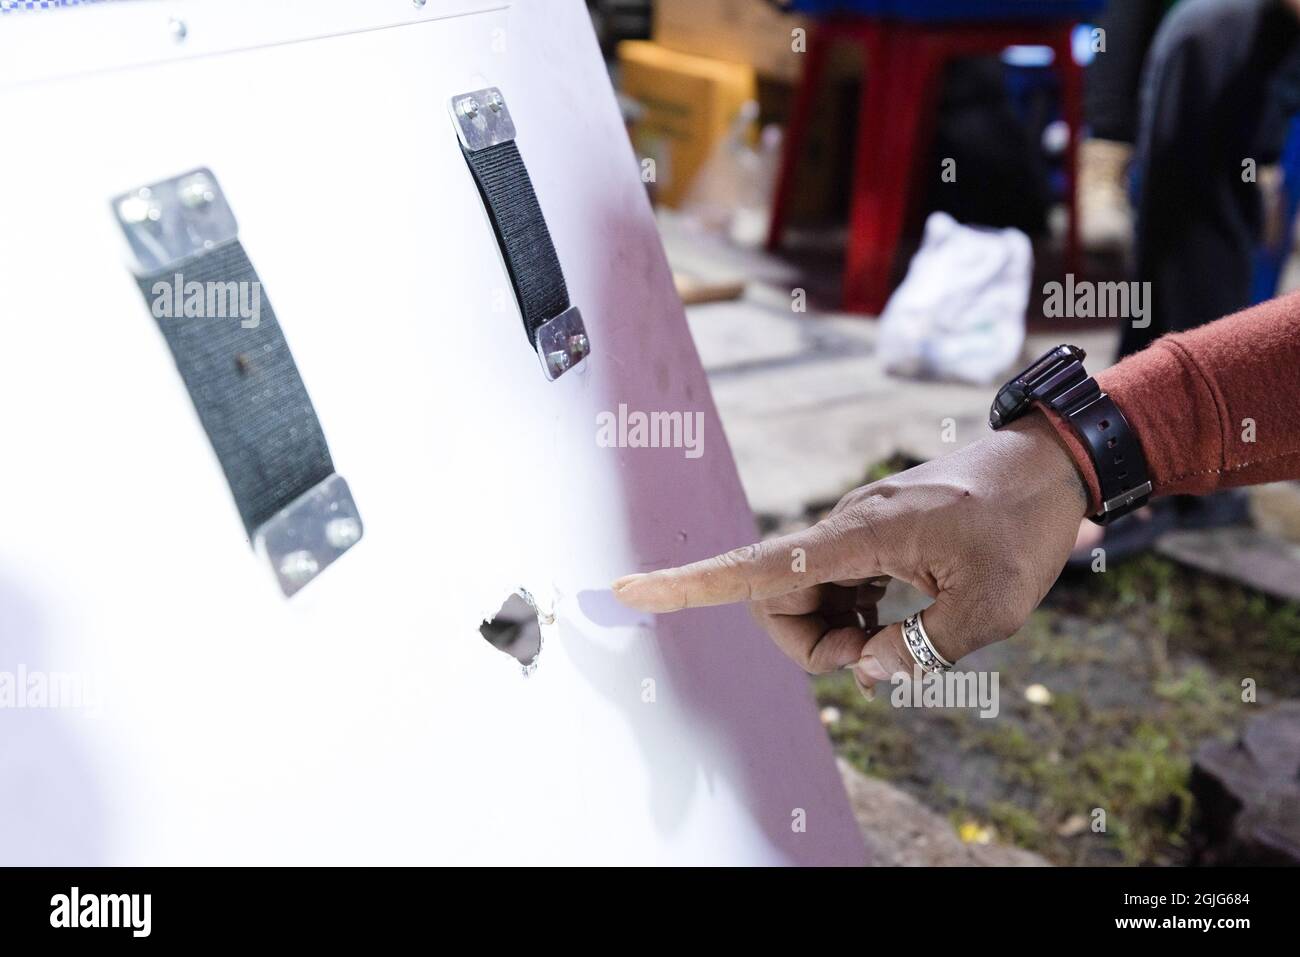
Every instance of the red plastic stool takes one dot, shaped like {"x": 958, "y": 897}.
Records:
{"x": 904, "y": 67}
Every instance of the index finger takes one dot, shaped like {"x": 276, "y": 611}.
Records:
{"x": 764, "y": 570}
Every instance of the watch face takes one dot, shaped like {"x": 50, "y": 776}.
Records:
{"x": 1008, "y": 404}
{"x": 1009, "y": 400}
{"x": 1014, "y": 397}
{"x": 1061, "y": 353}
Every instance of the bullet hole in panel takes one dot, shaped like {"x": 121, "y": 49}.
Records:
{"x": 516, "y": 630}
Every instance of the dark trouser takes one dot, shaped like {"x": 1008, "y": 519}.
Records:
{"x": 1111, "y": 92}
{"x": 1209, "y": 102}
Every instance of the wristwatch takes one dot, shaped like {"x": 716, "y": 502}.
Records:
{"x": 1059, "y": 381}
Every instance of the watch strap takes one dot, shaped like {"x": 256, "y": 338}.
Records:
{"x": 1112, "y": 445}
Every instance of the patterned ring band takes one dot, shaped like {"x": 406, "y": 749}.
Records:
{"x": 921, "y": 648}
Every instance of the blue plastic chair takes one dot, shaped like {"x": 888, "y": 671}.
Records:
{"x": 1270, "y": 262}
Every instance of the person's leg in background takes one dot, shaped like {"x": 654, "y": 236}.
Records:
{"x": 1210, "y": 103}
{"x": 1207, "y": 99}
{"x": 1111, "y": 111}
{"x": 1276, "y": 130}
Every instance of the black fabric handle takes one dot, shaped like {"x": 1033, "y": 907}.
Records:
{"x": 521, "y": 231}
{"x": 246, "y": 389}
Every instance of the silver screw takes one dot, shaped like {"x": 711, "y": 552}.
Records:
{"x": 299, "y": 567}
{"x": 342, "y": 533}
{"x": 196, "y": 191}
{"x": 179, "y": 30}
{"x": 558, "y": 361}
{"x": 137, "y": 209}
{"x": 579, "y": 346}
{"x": 469, "y": 106}
{"x": 495, "y": 101}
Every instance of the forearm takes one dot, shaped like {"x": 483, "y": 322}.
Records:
{"x": 1212, "y": 408}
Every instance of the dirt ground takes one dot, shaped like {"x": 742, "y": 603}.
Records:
{"x": 1105, "y": 695}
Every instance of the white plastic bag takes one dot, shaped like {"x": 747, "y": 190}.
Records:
{"x": 960, "y": 312}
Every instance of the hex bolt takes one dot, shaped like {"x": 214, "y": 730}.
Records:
{"x": 558, "y": 361}
{"x": 299, "y": 567}
{"x": 137, "y": 209}
{"x": 579, "y": 345}
{"x": 197, "y": 191}
{"x": 342, "y": 533}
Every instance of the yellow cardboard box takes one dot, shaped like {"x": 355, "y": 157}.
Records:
{"x": 752, "y": 32}
{"x": 689, "y": 104}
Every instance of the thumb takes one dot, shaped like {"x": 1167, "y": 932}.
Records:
{"x": 764, "y": 570}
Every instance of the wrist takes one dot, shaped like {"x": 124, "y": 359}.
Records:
{"x": 1072, "y": 446}
{"x": 1093, "y": 431}
{"x": 1056, "y": 453}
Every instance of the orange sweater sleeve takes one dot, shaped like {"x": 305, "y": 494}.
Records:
{"x": 1212, "y": 408}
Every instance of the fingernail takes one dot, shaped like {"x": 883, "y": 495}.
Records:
{"x": 639, "y": 592}
{"x": 872, "y": 667}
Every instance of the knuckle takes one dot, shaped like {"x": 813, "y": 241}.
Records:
{"x": 746, "y": 563}
{"x": 742, "y": 562}
{"x": 744, "y": 555}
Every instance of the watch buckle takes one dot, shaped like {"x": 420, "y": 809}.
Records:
{"x": 1125, "y": 499}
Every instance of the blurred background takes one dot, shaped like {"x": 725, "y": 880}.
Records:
{"x": 802, "y": 158}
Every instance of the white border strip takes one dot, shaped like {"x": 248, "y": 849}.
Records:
{"x": 57, "y": 44}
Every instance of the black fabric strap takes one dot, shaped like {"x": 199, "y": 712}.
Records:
{"x": 521, "y": 231}
{"x": 246, "y": 389}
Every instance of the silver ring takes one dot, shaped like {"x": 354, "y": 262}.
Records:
{"x": 921, "y": 648}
